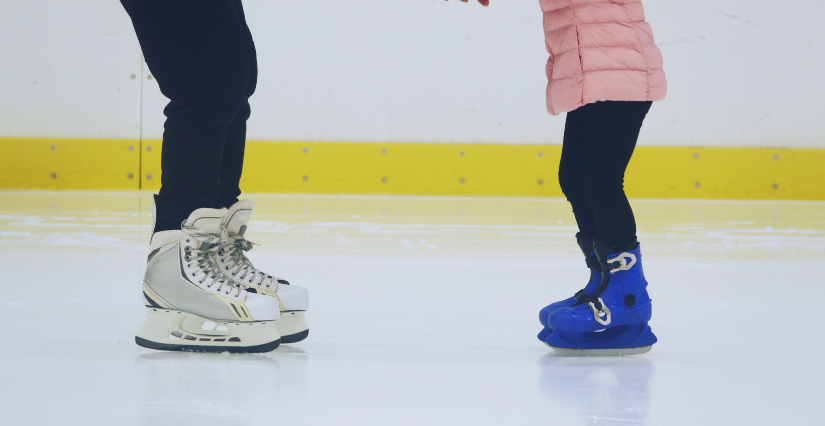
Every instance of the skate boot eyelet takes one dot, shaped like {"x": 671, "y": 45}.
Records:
{"x": 629, "y": 300}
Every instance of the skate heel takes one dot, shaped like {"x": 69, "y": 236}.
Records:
{"x": 292, "y": 326}
{"x": 628, "y": 339}
{"x": 172, "y": 330}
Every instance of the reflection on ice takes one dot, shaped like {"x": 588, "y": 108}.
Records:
{"x": 196, "y": 389}
{"x": 184, "y": 388}
{"x": 605, "y": 390}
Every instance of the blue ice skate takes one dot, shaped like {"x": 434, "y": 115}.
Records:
{"x": 586, "y": 246}
{"x": 613, "y": 319}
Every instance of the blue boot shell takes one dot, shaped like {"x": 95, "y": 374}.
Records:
{"x": 586, "y": 245}
{"x": 615, "y": 316}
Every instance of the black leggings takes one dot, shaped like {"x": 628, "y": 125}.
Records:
{"x": 599, "y": 140}
{"x": 202, "y": 55}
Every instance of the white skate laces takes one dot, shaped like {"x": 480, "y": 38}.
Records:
{"x": 210, "y": 273}
{"x": 231, "y": 253}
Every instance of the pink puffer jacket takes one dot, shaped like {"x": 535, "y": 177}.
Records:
{"x": 600, "y": 50}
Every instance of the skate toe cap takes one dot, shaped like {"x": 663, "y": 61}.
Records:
{"x": 552, "y": 307}
{"x": 294, "y": 298}
{"x": 544, "y": 333}
{"x": 263, "y": 308}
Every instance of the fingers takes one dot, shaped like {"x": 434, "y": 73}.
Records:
{"x": 483, "y": 2}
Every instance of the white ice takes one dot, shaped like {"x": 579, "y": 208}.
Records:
{"x": 423, "y": 311}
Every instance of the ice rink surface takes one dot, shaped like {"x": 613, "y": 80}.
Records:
{"x": 423, "y": 311}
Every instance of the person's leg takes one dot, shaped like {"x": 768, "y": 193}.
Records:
{"x": 233, "y": 152}
{"x": 294, "y": 300}
{"x": 612, "y": 129}
{"x": 197, "y": 52}
{"x": 619, "y": 308}
{"x": 571, "y": 170}
{"x": 571, "y": 180}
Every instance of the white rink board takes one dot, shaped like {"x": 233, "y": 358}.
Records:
{"x": 742, "y": 73}
{"x": 423, "y": 312}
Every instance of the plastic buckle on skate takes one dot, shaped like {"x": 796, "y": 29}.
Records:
{"x": 602, "y": 312}
{"x": 622, "y": 258}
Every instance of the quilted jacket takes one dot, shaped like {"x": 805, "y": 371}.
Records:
{"x": 600, "y": 50}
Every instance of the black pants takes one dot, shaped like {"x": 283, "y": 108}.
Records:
{"x": 202, "y": 55}
{"x": 599, "y": 140}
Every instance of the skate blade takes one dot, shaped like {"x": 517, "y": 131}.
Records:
{"x": 266, "y": 347}
{"x": 171, "y": 330}
{"x": 601, "y": 352}
{"x": 292, "y": 326}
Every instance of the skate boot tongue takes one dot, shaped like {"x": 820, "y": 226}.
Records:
{"x": 586, "y": 245}
{"x": 605, "y": 251}
{"x": 238, "y": 216}
{"x": 205, "y": 221}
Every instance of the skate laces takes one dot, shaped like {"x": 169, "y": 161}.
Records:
{"x": 238, "y": 267}
{"x": 202, "y": 256}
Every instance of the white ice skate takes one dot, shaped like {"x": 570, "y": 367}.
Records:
{"x": 230, "y": 257}
{"x": 191, "y": 305}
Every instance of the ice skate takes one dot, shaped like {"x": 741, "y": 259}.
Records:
{"x": 233, "y": 262}
{"x": 586, "y": 246}
{"x": 191, "y": 305}
{"x": 613, "y": 320}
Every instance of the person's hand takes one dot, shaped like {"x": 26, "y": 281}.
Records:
{"x": 483, "y": 2}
